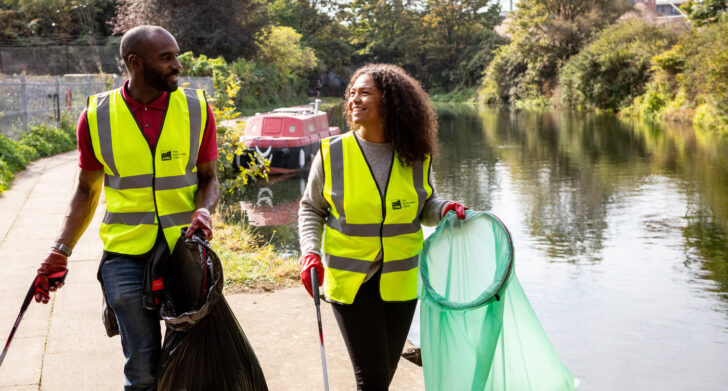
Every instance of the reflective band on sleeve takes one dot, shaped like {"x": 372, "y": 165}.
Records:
{"x": 349, "y": 264}
{"x": 174, "y": 219}
{"x": 175, "y": 182}
{"x": 401, "y": 265}
{"x": 129, "y": 182}
{"x": 193, "y": 105}
{"x": 131, "y": 218}
{"x": 103, "y": 120}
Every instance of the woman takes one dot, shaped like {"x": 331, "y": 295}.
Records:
{"x": 372, "y": 187}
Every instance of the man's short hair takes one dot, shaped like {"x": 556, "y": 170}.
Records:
{"x": 131, "y": 40}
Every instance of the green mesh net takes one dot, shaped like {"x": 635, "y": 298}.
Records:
{"x": 478, "y": 330}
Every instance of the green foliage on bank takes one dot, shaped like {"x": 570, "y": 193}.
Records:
{"x": 40, "y": 141}
{"x": 577, "y": 54}
{"x": 613, "y": 69}
{"x": 690, "y": 80}
{"x": 458, "y": 95}
{"x": 544, "y": 34}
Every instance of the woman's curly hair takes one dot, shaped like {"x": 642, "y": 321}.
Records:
{"x": 408, "y": 119}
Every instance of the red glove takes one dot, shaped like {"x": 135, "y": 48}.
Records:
{"x": 54, "y": 266}
{"x": 457, "y": 207}
{"x": 201, "y": 220}
{"x": 306, "y": 262}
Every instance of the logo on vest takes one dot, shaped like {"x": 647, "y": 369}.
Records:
{"x": 170, "y": 155}
{"x": 400, "y": 204}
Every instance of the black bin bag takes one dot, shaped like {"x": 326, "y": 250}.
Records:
{"x": 204, "y": 346}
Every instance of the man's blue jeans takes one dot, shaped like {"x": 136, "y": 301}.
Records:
{"x": 123, "y": 279}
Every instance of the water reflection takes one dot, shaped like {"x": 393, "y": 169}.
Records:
{"x": 571, "y": 170}
{"x": 271, "y": 208}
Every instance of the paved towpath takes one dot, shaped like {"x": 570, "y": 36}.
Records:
{"x": 62, "y": 345}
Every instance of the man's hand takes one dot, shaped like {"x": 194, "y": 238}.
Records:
{"x": 457, "y": 207}
{"x": 201, "y": 220}
{"x": 54, "y": 265}
{"x": 308, "y": 261}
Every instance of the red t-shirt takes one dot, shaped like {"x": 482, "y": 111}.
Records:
{"x": 150, "y": 118}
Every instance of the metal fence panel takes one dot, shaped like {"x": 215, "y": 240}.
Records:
{"x": 59, "y": 60}
{"x": 26, "y": 101}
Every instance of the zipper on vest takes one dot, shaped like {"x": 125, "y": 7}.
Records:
{"x": 384, "y": 205}
{"x": 153, "y": 150}
{"x": 382, "y": 195}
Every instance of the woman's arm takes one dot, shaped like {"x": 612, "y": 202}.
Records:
{"x": 432, "y": 211}
{"x": 313, "y": 210}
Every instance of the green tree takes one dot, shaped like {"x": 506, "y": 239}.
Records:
{"x": 613, "y": 69}
{"x": 459, "y": 39}
{"x": 383, "y": 31}
{"x": 704, "y": 11}
{"x": 692, "y": 77}
{"x": 215, "y": 28}
{"x": 44, "y": 22}
{"x": 281, "y": 48}
{"x": 319, "y": 30}
{"x": 443, "y": 43}
{"x": 544, "y": 34}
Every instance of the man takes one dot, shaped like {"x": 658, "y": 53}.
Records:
{"x": 152, "y": 146}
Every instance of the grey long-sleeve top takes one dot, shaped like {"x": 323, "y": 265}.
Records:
{"x": 314, "y": 209}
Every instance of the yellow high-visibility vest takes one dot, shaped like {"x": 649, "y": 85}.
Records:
{"x": 361, "y": 222}
{"x": 146, "y": 186}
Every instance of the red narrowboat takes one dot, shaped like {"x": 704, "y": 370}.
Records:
{"x": 288, "y": 137}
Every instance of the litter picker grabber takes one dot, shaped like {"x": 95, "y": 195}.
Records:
{"x": 317, "y": 301}
{"x": 34, "y": 287}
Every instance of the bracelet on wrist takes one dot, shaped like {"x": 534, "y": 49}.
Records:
{"x": 65, "y": 250}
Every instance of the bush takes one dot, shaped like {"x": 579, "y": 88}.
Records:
{"x": 39, "y": 142}
{"x": 6, "y": 175}
{"x": 690, "y": 80}
{"x": 233, "y": 179}
{"x": 612, "y": 70}
{"x": 708, "y": 116}
{"x": 544, "y": 35}
{"x": 47, "y": 141}
{"x": 15, "y": 156}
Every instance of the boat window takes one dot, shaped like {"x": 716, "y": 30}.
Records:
{"x": 292, "y": 128}
{"x": 311, "y": 127}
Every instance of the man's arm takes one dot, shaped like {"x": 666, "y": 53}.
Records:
{"x": 208, "y": 193}
{"x": 82, "y": 208}
{"x": 81, "y": 211}
{"x": 208, "y": 190}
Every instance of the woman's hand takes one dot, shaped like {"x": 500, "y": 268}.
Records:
{"x": 457, "y": 207}
{"x": 306, "y": 262}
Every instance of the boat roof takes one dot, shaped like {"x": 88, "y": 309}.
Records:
{"x": 292, "y": 112}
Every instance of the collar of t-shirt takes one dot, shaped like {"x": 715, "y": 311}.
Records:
{"x": 149, "y": 117}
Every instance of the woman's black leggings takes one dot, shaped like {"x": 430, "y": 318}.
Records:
{"x": 374, "y": 332}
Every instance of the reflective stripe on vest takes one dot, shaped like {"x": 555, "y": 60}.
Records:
{"x": 146, "y": 186}
{"x": 361, "y": 225}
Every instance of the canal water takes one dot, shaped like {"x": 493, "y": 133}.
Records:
{"x": 619, "y": 230}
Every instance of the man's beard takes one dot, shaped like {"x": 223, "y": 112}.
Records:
{"x": 159, "y": 81}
